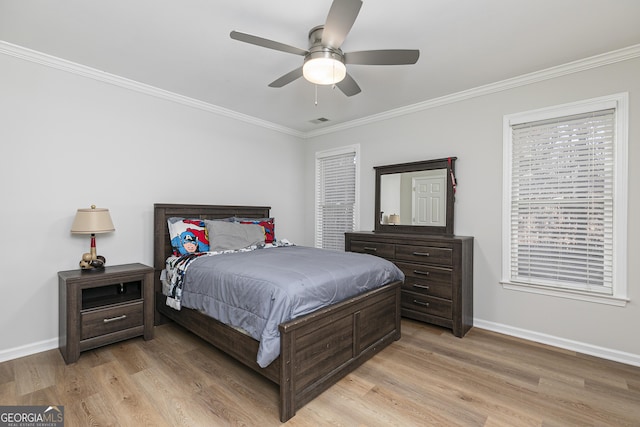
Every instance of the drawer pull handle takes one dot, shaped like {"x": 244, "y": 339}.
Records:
{"x": 416, "y": 285}
{"x": 113, "y": 319}
{"x": 421, "y": 253}
{"x": 426, "y": 304}
{"x": 370, "y": 249}
{"x": 423, "y": 273}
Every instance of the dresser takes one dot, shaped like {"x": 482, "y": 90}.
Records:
{"x": 438, "y": 270}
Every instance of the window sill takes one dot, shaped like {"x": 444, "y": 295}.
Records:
{"x": 566, "y": 293}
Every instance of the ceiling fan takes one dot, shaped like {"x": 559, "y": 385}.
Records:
{"x": 324, "y": 61}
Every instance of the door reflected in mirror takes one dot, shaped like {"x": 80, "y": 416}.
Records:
{"x": 414, "y": 198}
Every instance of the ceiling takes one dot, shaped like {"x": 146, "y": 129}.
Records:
{"x": 184, "y": 47}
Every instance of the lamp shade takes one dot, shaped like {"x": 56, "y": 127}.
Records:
{"x": 394, "y": 219}
{"x": 92, "y": 221}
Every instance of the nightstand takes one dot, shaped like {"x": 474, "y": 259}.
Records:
{"x": 102, "y": 307}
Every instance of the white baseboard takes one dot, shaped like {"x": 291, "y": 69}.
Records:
{"x": 27, "y": 350}
{"x": 592, "y": 350}
{"x": 580, "y": 347}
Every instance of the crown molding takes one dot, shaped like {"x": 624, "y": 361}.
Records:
{"x": 612, "y": 57}
{"x": 619, "y": 55}
{"x": 92, "y": 73}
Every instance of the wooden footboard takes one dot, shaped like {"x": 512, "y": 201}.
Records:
{"x": 319, "y": 349}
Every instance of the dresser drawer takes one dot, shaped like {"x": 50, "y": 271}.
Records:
{"x": 427, "y": 280}
{"x": 425, "y": 254}
{"x": 384, "y": 250}
{"x": 112, "y": 319}
{"x": 427, "y": 305}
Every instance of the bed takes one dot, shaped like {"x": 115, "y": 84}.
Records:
{"x": 316, "y": 349}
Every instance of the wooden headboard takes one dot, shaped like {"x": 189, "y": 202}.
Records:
{"x": 162, "y": 211}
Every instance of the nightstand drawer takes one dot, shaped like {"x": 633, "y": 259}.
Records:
{"x": 384, "y": 250}
{"x": 425, "y": 254}
{"x": 427, "y": 305}
{"x": 107, "y": 320}
{"x": 427, "y": 280}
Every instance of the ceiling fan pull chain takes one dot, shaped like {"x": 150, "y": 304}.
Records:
{"x": 316, "y": 89}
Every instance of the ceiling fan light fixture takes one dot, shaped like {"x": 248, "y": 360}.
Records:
{"x": 324, "y": 62}
{"x": 323, "y": 68}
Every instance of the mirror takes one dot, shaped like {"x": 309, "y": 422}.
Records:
{"x": 415, "y": 197}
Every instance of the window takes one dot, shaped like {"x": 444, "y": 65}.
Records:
{"x": 336, "y": 196}
{"x": 565, "y": 200}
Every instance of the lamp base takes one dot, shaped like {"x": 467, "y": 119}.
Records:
{"x": 88, "y": 262}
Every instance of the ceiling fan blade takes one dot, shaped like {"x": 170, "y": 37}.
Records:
{"x": 287, "y": 78}
{"x": 348, "y": 86}
{"x": 259, "y": 41}
{"x": 382, "y": 57}
{"x": 342, "y": 15}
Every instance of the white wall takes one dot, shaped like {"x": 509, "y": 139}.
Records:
{"x": 68, "y": 141}
{"x": 471, "y": 130}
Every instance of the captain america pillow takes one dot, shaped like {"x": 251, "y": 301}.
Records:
{"x": 188, "y": 236}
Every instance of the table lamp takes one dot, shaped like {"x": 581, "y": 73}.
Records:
{"x": 394, "y": 219}
{"x": 92, "y": 221}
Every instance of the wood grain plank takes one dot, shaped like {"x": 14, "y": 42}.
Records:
{"x": 429, "y": 377}
{"x": 126, "y": 398}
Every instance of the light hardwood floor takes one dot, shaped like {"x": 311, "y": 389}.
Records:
{"x": 427, "y": 378}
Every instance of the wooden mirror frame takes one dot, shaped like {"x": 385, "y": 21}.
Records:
{"x": 448, "y": 164}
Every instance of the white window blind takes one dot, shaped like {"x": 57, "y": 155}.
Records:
{"x": 561, "y": 211}
{"x": 336, "y": 174}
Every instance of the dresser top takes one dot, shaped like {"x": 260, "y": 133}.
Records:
{"x": 407, "y": 236}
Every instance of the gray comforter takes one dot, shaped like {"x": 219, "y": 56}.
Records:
{"x": 258, "y": 290}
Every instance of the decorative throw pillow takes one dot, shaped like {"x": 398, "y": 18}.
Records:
{"x": 188, "y": 236}
{"x": 268, "y": 225}
{"x": 233, "y": 235}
